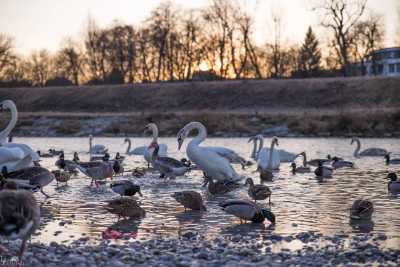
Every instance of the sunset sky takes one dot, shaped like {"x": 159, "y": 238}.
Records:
{"x": 37, "y": 24}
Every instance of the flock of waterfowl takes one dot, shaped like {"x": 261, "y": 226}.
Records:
{"x": 21, "y": 175}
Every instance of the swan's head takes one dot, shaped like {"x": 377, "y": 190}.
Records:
{"x": 353, "y": 140}
{"x": 90, "y": 137}
{"x": 151, "y": 127}
{"x": 181, "y": 137}
{"x": 126, "y": 140}
{"x": 7, "y": 104}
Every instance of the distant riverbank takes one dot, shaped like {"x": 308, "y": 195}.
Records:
{"x": 366, "y": 107}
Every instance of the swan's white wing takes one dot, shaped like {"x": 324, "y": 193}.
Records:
{"x": 138, "y": 151}
{"x": 17, "y": 164}
{"x": 286, "y": 156}
{"x": 162, "y": 152}
{"x": 11, "y": 154}
{"x": 227, "y": 153}
{"x": 25, "y": 148}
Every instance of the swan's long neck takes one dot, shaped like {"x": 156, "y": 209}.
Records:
{"x": 270, "y": 155}
{"x": 261, "y": 145}
{"x": 201, "y": 135}
{"x": 304, "y": 160}
{"x": 154, "y": 129}
{"x": 253, "y": 153}
{"x": 357, "y": 148}
{"x": 129, "y": 145}
{"x": 14, "y": 117}
{"x": 90, "y": 145}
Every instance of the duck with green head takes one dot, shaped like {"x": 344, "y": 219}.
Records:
{"x": 394, "y": 183}
{"x": 247, "y": 211}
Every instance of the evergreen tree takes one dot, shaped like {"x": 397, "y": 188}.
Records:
{"x": 309, "y": 56}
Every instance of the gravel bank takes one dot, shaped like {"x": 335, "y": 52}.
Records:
{"x": 194, "y": 250}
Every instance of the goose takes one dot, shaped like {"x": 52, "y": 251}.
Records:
{"x": 323, "y": 171}
{"x": 19, "y": 217}
{"x": 284, "y": 156}
{"x": 125, "y": 188}
{"x": 370, "y": 152}
{"x": 247, "y": 211}
{"x": 190, "y": 200}
{"x": 219, "y": 187}
{"x": 338, "y": 164}
{"x": 259, "y": 191}
{"x": 96, "y": 170}
{"x": 61, "y": 176}
{"x": 125, "y": 207}
{"x": 361, "y": 209}
{"x": 394, "y": 183}
{"x": 30, "y": 176}
{"x": 96, "y": 149}
{"x": 168, "y": 167}
{"x": 390, "y": 161}
{"x": 300, "y": 169}
{"x": 139, "y": 151}
{"x": 162, "y": 152}
{"x": 206, "y": 160}
{"x": 9, "y": 104}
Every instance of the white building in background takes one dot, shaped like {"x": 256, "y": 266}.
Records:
{"x": 386, "y": 63}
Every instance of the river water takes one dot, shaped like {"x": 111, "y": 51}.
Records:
{"x": 300, "y": 202}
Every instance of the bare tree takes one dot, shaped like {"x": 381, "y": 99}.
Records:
{"x": 6, "y": 53}
{"x": 69, "y": 62}
{"x": 341, "y": 16}
{"x": 40, "y": 67}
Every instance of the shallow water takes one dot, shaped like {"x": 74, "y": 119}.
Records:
{"x": 300, "y": 202}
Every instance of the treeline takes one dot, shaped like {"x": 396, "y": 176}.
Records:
{"x": 213, "y": 43}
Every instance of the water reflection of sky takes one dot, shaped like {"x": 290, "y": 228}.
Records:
{"x": 301, "y": 202}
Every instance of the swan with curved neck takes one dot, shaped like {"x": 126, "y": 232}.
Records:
{"x": 96, "y": 149}
{"x": 268, "y": 158}
{"x": 369, "y": 152}
{"x": 8, "y": 104}
{"x": 214, "y": 165}
{"x": 284, "y": 155}
{"x": 162, "y": 147}
{"x": 136, "y": 151}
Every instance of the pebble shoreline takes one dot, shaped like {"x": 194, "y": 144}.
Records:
{"x": 192, "y": 249}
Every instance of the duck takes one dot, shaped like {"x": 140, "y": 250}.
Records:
{"x": 390, "y": 161}
{"x": 323, "y": 171}
{"x": 190, "y": 200}
{"x": 394, "y": 183}
{"x": 125, "y": 188}
{"x": 55, "y": 152}
{"x": 315, "y": 162}
{"x": 247, "y": 211}
{"x": 119, "y": 157}
{"x": 4, "y": 134}
{"x": 219, "y": 188}
{"x": 30, "y": 176}
{"x": 96, "y": 170}
{"x": 168, "y": 167}
{"x": 96, "y": 149}
{"x": 19, "y": 217}
{"x": 361, "y": 209}
{"x": 338, "y": 164}
{"x": 139, "y": 151}
{"x": 206, "y": 160}
{"x": 300, "y": 169}
{"x": 370, "y": 152}
{"x": 149, "y": 151}
{"x": 138, "y": 172}
{"x": 61, "y": 176}
{"x": 125, "y": 207}
{"x": 67, "y": 165}
{"x": 44, "y": 155}
{"x": 284, "y": 156}
{"x": 259, "y": 191}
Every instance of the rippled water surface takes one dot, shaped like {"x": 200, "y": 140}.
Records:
{"x": 300, "y": 202}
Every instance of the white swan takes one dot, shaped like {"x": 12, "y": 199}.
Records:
{"x": 369, "y": 152}
{"x": 25, "y": 149}
{"x": 210, "y": 162}
{"x": 229, "y": 154}
{"x": 14, "y": 159}
{"x": 284, "y": 156}
{"x": 162, "y": 147}
{"x": 96, "y": 149}
{"x": 139, "y": 151}
{"x": 268, "y": 158}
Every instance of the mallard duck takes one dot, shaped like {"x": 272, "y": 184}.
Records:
{"x": 138, "y": 172}
{"x": 19, "y": 217}
{"x": 61, "y": 176}
{"x": 361, "y": 210}
{"x": 259, "y": 191}
{"x": 323, "y": 171}
{"x": 31, "y": 176}
{"x": 390, "y": 161}
{"x": 125, "y": 207}
{"x": 394, "y": 183}
{"x": 125, "y": 188}
{"x": 66, "y": 165}
{"x": 219, "y": 187}
{"x": 247, "y": 211}
{"x": 44, "y": 155}
{"x": 55, "y": 152}
{"x": 96, "y": 170}
{"x": 168, "y": 167}
{"x": 190, "y": 200}
{"x": 300, "y": 169}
